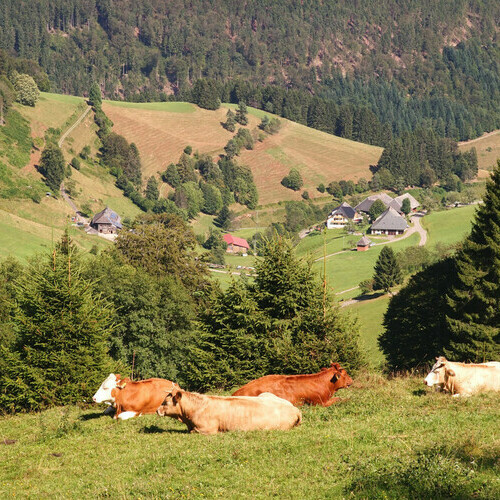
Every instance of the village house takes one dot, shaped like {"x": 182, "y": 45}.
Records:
{"x": 390, "y": 223}
{"x": 106, "y": 222}
{"x": 363, "y": 244}
{"x": 235, "y": 244}
{"x": 395, "y": 203}
{"x": 341, "y": 215}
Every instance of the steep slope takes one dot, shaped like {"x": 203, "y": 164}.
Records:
{"x": 488, "y": 151}
{"x": 162, "y": 130}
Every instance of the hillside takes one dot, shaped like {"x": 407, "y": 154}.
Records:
{"x": 162, "y": 130}
{"x": 488, "y": 151}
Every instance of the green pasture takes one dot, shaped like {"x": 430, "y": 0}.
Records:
{"x": 370, "y": 314}
{"x": 169, "y": 107}
{"x": 346, "y": 270}
{"x": 386, "y": 439}
{"x": 448, "y": 226}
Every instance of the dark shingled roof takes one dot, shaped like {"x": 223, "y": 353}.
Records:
{"x": 413, "y": 202}
{"x": 107, "y": 216}
{"x": 367, "y": 203}
{"x": 346, "y": 210}
{"x": 364, "y": 242}
{"x": 390, "y": 220}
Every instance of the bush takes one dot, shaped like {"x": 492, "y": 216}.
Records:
{"x": 293, "y": 180}
{"x": 75, "y": 163}
{"x": 26, "y": 89}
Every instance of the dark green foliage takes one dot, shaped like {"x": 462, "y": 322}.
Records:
{"x": 387, "y": 273}
{"x": 206, "y": 94}
{"x": 223, "y": 220}
{"x": 121, "y": 156}
{"x": 188, "y": 150}
{"x": 277, "y": 325}
{"x": 60, "y": 352}
{"x": 335, "y": 190}
{"x": 52, "y": 166}
{"x": 95, "y": 99}
{"x": 300, "y": 215}
{"x": 230, "y": 123}
{"x": 305, "y": 195}
{"x": 415, "y": 322}
{"x": 163, "y": 245}
{"x": 474, "y": 317}
{"x": 378, "y": 207}
{"x": 85, "y": 153}
{"x": 210, "y": 171}
{"x": 217, "y": 246}
{"x": 185, "y": 168}
{"x": 271, "y": 126}
{"x": 321, "y": 188}
{"x": 171, "y": 176}
{"x": 244, "y": 138}
{"x": 293, "y": 180}
{"x": 189, "y": 197}
{"x": 239, "y": 180}
{"x": 232, "y": 149}
{"x": 10, "y": 271}
{"x": 241, "y": 114}
{"x": 152, "y": 192}
{"x": 75, "y": 163}
{"x": 154, "y": 317}
{"x": 212, "y": 199}
{"x": 406, "y": 206}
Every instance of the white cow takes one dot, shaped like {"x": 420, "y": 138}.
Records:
{"x": 464, "y": 378}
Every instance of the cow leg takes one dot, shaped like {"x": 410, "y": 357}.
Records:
{"x": 331, "y": 401}
{"x": 127, "y": 414}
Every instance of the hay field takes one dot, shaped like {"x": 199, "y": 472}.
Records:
{"x": 162, "y": 130}
{"x": 488, "y": 151}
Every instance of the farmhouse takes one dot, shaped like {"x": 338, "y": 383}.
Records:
{"x": 367, "y": 203}
{"x": 235, "y": 244}
{"x": 390, "y": 222}
{"x": 341, "y": 215}
{"x": 363, "y": 244}
{"x": 106, "y": 222}
{"x": 414, "y": 204}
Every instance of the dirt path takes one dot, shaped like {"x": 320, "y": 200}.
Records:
{"x": 82, "y": 116}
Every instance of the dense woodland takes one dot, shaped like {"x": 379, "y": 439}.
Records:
{"x": 412, "y": 64}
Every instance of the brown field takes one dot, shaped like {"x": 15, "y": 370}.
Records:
{"x": 488, "y": 151}
{"x": 161, "y": 136}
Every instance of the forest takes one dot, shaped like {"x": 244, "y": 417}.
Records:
{"x": 412, "y": 64}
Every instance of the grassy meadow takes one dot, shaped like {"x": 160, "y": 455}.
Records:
{"x": 488, "y": 151}
{"x": 390, "y": 439}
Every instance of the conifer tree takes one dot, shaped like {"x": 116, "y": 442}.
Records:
{"x": 387, "y": 270}
{"x": 230, "y": 123}
{"x": 152, "y": 192}
{"x": 475, "y": 299}
{"x": 406, "y": 206}
{"x": 62, "y": 325}
{"x": 241, "y": 114}
{"x": 223, "y": 220}
{"x": 95, "y": 96}
{"x": 52, "y": 166}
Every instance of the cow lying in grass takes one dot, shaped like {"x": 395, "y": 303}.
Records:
{"x": 212, "y": 414}
{"x": 313, "y": 389}
{"x": 132, "y": 399}
{"x": 464, "y": 378}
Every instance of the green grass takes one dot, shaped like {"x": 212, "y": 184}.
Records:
{"x": 448, "y": 226}
{"x": 381, "y": 425}
{"x": 348, "y": 269}
{"x": 169, "y": 107}
{"x": 371, "y": 314}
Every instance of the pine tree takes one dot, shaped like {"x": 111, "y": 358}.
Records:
{"x": 95, "y": 96}
{"x": 475, "y": 300}
{"x": 152, "y": 192}
{"x": 241, "y": 114}
{"x": 387, "y": 270}
{"x": 63, "y": 325}
{"x": 223, "y": 220}
{"x": 230, "y": 123}
{"x": 52, "y": 166}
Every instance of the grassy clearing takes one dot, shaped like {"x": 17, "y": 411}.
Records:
{"x": 162, "y": 133}
{"x": 448, "y": 226}
{"x": 381, "y": 426}
{"x": 371, "y": 314}
{"x": 488, "y": 151}
{"x": 169, "y": 107}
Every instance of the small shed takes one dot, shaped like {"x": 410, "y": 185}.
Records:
{"x": 235, "y": 244}
{"x": 363, "y": 244}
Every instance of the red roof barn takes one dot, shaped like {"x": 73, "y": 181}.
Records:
{"x": 235, "y": 244}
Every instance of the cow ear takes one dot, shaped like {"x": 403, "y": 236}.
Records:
{"x": 121, "y": 385}
{"x": 176, "y": 397}
{"x": 450, "y": 372}
{"x": 335, "y": 377}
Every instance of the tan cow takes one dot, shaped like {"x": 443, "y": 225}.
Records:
{"x": 464, "y": 378}
{"x": 212, "y": 414}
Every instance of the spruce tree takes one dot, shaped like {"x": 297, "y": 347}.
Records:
{"x": 95, "y": 96}
{"x": 475, "y": 300}
{"x": 63, "y": 326}
{"x": 223, "y": 220}
{"x": 241, "y": 114}
{"x": 152, "y": 192}
{"x": 230, "y": 123}
{"x": 387, "y": 270}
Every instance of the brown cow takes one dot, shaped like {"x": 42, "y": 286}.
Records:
{"x": 313, "y": 389}
{"x": 132, "y": 398}
{"x": 211, "y": 414}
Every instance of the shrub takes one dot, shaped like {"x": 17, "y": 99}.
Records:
{"x": 75, "y": 163}
{"x": 293, "y": 180}
{"x": 26, "y": 89}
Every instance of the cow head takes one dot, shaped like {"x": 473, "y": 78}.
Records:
{"x": 340, "y": 377}
{"x": 170, "y": 405}
{"x": 437, "y": 374}
{"x": 105, "y": 392}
